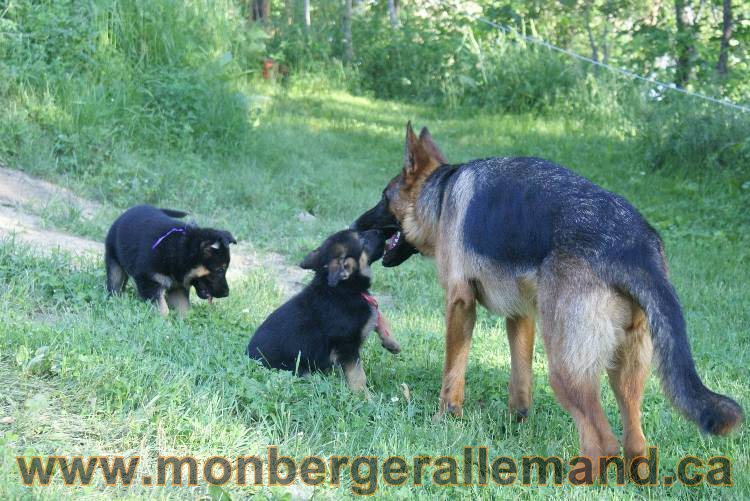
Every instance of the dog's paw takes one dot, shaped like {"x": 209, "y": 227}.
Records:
{"x": 520, "y": 414}
{"x": 455, "y": 410}
{"x": 392, "y": 346}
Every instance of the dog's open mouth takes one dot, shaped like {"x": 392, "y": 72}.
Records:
{"x": 204, "y": 294}
{"x": 397, "y": 250}
{"x": 392, "y": 242}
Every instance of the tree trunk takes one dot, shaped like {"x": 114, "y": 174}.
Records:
{"x": 605, "y": 44}
{"x": 348, "y": 44}
{"x": 592, "y": 42}
{"x": 261, "y": 10}
{"x": 685, "y": 49}
{"x": 393, "y": 13}
{"x": 307, "y": 13}
{"x": 726, "y": 36}
{"x": 289, "y": 11}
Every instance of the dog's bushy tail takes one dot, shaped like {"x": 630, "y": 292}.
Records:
{"x": 174, "y": 213}
{"x": 648, "y": 285}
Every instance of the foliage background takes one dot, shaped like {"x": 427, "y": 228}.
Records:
{"x": 90, "y": 76}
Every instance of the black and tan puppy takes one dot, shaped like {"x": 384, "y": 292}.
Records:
{"x": 326, "y": 323}
{"x": 166, "y": 257}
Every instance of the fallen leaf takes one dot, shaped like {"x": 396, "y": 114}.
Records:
{"x": 305, "y": 217}
{"x": 406, "y": 392}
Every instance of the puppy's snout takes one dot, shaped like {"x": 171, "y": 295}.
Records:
{"x": 221, "y": 290}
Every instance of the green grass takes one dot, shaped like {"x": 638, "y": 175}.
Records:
{"x": 83, "y": 374}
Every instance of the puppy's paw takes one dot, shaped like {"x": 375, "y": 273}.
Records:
{"x": 391, "y": 345}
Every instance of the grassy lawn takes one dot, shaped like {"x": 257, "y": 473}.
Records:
{"x": 84, "y": 375}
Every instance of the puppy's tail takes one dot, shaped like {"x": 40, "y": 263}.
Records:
{"x": 174, "y": 213}
{"x": 649, "y": 286}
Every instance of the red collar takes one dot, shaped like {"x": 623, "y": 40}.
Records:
{"x": 380, "y": 325}
{"x": 370, "y": 299}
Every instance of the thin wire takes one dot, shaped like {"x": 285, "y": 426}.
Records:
{"x": 666, "y": 85}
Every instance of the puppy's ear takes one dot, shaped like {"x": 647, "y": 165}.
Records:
{"x": 227, "y": 238}
{"x": 337, "y": 272}
{"x": 311, "y": 261}
{"x": 208, "y": 247}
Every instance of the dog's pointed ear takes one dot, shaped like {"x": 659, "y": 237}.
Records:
{"x": 431, "y": 147}
{"x": 209, "y": 246}
{"x": 311, "y": 261}
{"x": 420, "y": 157}
{"x": 411, "y": 145}
{"x": 227, "y": 238}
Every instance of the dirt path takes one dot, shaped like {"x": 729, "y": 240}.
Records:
{"x": 21, "y": 196}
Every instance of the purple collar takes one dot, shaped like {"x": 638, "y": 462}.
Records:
{"x": 173, "y": 230}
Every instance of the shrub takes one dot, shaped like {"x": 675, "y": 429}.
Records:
{"x": 691, "y": 135}
{"x": 431, "y": 58}
{"x": 82, "y": 75}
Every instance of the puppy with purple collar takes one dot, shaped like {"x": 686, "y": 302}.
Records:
{"x": 166, "y": 257}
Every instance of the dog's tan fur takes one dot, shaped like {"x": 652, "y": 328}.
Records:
{"x": 197, "y": 272}
{"x": 179, "y": 300}
{"x": 355, "y": 377}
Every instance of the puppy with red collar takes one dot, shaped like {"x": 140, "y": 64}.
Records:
{"x": 327, "y": 323}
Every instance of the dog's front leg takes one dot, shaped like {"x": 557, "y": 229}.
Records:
{"x": 460, "y": 315}
{"x": 160, "y": 302}
{"x": 153, "y": 291}
{"x": 521, "y": 340}
{"x": 383, "y": 328}
{"x": 355, "y": 377}
{"x": 179, "y": 299}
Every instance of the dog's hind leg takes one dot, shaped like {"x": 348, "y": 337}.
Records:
{"x": 179, "y": 299}
{"x": 580, "y": 396}
{"x": 116, "y": 276}
{"x": 460, "y": 315}
{"x": 521, "y": 340}
{"x": 579, "y": 317}
{"x": 628, "y": 378}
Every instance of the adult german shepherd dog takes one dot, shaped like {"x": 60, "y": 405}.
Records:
{"x": 525, "y": 237}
